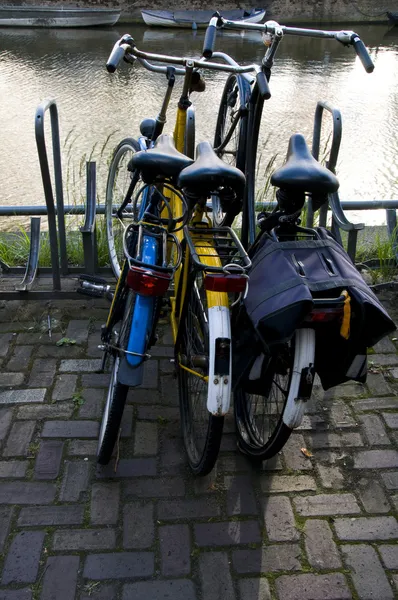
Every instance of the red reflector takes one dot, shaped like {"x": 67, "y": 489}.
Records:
{"x": 324, "y": 315}
{"x": 148, "y": 283}
{"x": 218, "y": 282}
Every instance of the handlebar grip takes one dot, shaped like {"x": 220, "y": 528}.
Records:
{"x": 210, "y": 38}
{"x": 263, "y": 86}
{"x": 115, "y": 57}
{"x": 363, "y": 54}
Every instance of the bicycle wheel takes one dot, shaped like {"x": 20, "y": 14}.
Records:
{"x": 119, "y": 179}
{"x": 260, "y": 418}
{"x": 117, "y": 392}
{"x": 235, "y": 96}
{"x": 201, "y": 430}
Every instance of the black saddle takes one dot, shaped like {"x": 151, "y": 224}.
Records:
{"x": 161, "y": 161}
{"x": 209, "y": 173}
{"x": 302, "y": 172}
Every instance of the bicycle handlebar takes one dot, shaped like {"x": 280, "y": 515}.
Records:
{"x": 363, "y": 54}
{"x": 118, "y": 52}
{"x": 210, "y": 37}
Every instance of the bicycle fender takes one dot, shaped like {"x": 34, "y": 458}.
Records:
{"x": 220, "y": 367}
{"x": 131, "y": 376}
{"x": 302, "y": 378}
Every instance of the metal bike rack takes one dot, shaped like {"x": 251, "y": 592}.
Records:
{"x": 33, "y": 260}
{"x": 48, "y": 188}
{"x": 392, "y": 229}
{"x": 339, "y": 220}
{"x": 88, "y": 230}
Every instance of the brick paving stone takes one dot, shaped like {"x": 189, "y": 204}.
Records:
{"x": 390, "y": 480}
{"x": 75, "y": 481}
{"x": 341, "y": 415}
{"x": 6, "y": 514}
{"x": 13, "y": 469}
{"x": 391, "y": 419}
{"x": 367, "y": 573}
{"x": 279, "y": 519}
{"x": 325, "y": 439}
{"x": 11, "y": 379}
{"x": 119, "y": 565}
{"x": 36, "y": 516}
{"x": 228, "y": 533}
{"x": 331, "y": 586}
{"x": 84, "y": 539}
{"x": 151, "y": 374}
{"x": 159, "y": 487}
{"x": 376, "y": 459}
{"x": 138, "y": 525}
{"x": 20, "y": 594}
{"x": 294, "y": 458}
{"x": 373, "y": 497}
{"x": 146, "y": 438}
{"x": 137, "y": 396}
{"x": 95, "y": 380}
{"x": 64, "y": 388}
{"x": 70, "y": 429}
{"x": 175, "y": 550}
{"x": 19, "y": 439}
{"x": 235, "y": 462}
{"x": 80, "y": 365}
{"x": 155, "y": 413}
{"x": 384, "y": 359}
{"x": 127, "y": 422}
{"x": 321, "y": 549}
{"x": 241, "y": 499}
{"x": 175, "y": 589}
{"x": 60, "y": 578}
{"x": 82, "y": 448}
{"x": 5, "y": 339}
{"x": 45, "y": 411}
{"x": 104, "y": 508}
{"x": 38, "y": 338}
{"x": 101, "y": 592}
{"x": 22, "y": 561}
{"x": 331, "y": 477}
{"x": 48, "y": 460}
{"x": 375, "y": 432}
{"x": 58, "y": 352}
{"x": 254, "y": 587}
{"x": 215, "y": 576}
{"x": 93, "y": 401}
{"x": 385, "y": 346}
{"x": 129, "y": 467}
{"x": 20, "y": 358}
{"x": 389, "y": 555}
{"x": 42, "y": 372}
{"x": 26, "y": 492}
{"x": 312, "y": 422}
{"x": 377, "y": 385}
{"x": 326, "y": 504}
{"x": 5, "y": 421}
{"x": 170, "y": 510}
{"x": 374, "y": 404}
{"x": 173, "y": 458}
{"x": 366, "y": 528}
{"x": 22, "y": 396}
{"x": 280, "y": 557}
{"x": 78, "y": 330}
{"x": 287, "y": 483}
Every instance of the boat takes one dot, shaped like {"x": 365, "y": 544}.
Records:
{"x": 393, "y": 17}
{"x": 198, "y": 18}
{"x": 39, "y": 16}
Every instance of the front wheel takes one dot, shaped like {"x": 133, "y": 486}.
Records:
{"x": 117, "y": 188}
{"x": 267, "y": 398}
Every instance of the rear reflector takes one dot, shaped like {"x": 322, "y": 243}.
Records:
{"x": 218, "y": 282}
{"x": 148, "y": 283}
{"x": 325, "y": 315}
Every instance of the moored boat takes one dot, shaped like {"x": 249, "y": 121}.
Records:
{"x": 39, "y": 16}
{"x": 198, "y": 18}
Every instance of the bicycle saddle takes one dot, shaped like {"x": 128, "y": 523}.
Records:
{"x": 301, "y": 172}
{"x": 161, "y": 160}
{"x": 208, "y": 173}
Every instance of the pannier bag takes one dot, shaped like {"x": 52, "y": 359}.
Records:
{"x": 287, "y": 276}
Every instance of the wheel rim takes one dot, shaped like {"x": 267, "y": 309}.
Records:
{"x": 194, "y": 355}
{"x": 117, "y": 187}
{"x": 108, "y": 404}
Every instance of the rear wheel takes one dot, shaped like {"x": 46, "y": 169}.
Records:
{"x": 201, "y": 430}
{"x": 233, "y": 103}
{"x": 117, "y": 187}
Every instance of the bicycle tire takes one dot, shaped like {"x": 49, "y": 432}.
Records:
{"x": 115, "y": 195}
{"x": 194, "y": 339}
{"x": 117, "y": 393}
{"x": 235, "y": 96}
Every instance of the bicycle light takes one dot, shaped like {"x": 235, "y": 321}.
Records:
{"x": 218, "y": 282}
{"x": 147, "y": 282}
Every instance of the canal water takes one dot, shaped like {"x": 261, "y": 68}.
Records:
{"x": 97, "y": 109}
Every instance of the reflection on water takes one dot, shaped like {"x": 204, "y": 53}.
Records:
{"x": 97, "y": 109}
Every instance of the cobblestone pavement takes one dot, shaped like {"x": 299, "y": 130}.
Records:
{"x": 297, "y": 529}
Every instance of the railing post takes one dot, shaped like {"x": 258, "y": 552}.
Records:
{"x": 88, "y": 230}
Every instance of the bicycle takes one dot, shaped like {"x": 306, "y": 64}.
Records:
{"x": 170, "y": 237}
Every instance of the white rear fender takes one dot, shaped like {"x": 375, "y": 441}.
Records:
{"x": 220, "y": 368}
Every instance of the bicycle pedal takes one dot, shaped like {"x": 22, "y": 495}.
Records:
{"x": 96, "y": 290}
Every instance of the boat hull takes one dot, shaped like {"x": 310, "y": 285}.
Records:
{"x": 44, "y": 17}
{"x": 169, "y": 19}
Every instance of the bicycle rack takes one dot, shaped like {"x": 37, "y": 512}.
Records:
{"x": 392, "y": 229}
{"x": 48, "y": 188}
{"x": 33, "y": 260}
{"x": 339, "y": 220}
{"x": 88, "y": 230}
